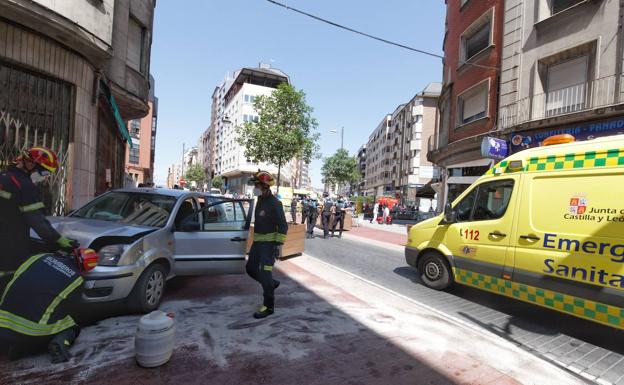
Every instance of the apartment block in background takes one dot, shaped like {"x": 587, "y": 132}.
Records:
{"x": 140, "y": 156}
{"x": 232, "y": 106}
{"x": 396, "y": 152}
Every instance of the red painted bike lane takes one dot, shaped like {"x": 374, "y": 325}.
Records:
{"x": 379, "y": 235}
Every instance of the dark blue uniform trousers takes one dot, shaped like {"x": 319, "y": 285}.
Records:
{"x": 260, "y": 267}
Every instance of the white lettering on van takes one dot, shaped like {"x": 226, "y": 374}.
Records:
{"x": 615, "y": 252}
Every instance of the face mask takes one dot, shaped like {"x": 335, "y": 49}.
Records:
{"x": 37, "y": 177}
{"x": 257, "y": 191}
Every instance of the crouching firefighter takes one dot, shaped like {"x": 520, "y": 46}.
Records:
{"x": 37, "y": 305}
{"x": 21, "y": 209}
{"x": 270, "y": 228}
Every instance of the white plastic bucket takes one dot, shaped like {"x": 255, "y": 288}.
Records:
{"x": 154, "y": 339}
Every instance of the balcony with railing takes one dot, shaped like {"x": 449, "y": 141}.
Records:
{"x": 597, "y": 93}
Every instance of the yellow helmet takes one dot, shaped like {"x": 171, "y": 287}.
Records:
{"x": 263, "y": 177}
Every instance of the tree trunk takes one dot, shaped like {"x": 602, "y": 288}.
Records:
{"x": 279, "y": 175}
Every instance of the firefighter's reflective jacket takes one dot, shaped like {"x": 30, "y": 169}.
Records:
{"x": 270, "y": 224}
{"x": 21, "y": 209}
{"x": 39, "y": 299}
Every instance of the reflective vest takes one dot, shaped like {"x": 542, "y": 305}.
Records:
{"x": 36, "y": 302}
{"x": 18, "y": 196}
{"x": 270, "y": 223}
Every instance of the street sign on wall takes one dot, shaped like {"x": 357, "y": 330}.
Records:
{"x": 494, "y": 148}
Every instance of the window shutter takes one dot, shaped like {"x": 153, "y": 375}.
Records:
{"x": 135, "y": 45}
{"x": 567, "y": 74}
{"x": 474, "y": 104}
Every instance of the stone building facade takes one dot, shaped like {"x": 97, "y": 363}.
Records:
{"x": 55, "y": 62}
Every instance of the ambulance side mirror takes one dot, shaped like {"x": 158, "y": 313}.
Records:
{"x": 450, "y": 216}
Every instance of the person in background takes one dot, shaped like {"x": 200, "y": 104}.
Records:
{"x": 375, "y": 212}
{"x": 339, "y": 215}
{"x": 312, "y": 215}
{"x": 293, "y": 209}
{"x": 304, "y": 209}
{"x": 380, "y": 211}
{"x": 328, "y": 205}
{"x": 386, "y": 214}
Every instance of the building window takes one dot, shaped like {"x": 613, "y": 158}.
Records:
{"x": 566, "y": 86}
{"x": 472, "y": 104}
{"x": 135, "y": 50}
{"x": 557, "y": 6}
{"x": 135, "y": 128}
{"x": 477, "y": 37}
{"x": 134, "y": 152}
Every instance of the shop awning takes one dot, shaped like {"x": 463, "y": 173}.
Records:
{"x": 426, "y": 191}
{"x": 123, "y": 129}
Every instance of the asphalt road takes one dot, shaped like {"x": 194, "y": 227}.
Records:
{"x": 595, "y": 351}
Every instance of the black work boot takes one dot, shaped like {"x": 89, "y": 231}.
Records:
{"x": 263, "y": 312}
{"x": 59, "y": 350}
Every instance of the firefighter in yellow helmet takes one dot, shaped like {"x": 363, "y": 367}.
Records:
{"x": 270, "y": 228}
{"x": 21, "y": 209}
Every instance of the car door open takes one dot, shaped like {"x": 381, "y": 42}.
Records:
{"x": 213, "y": 240}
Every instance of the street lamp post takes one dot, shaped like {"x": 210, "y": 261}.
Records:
{"x": 341, "y": 136}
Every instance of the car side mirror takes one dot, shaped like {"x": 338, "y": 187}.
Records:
{"x": 450, "y": 216}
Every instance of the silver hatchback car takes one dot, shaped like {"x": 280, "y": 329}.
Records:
{"x": 145, "y": 236}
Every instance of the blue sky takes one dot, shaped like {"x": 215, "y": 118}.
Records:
{"x": 350, "y": 80}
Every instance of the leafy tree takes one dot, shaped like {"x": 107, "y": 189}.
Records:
{"x": 284, "y": 130}
{"x": 195, "y": 173}
{"x": 341, "y": 168}
{"x": 217, "y": 182}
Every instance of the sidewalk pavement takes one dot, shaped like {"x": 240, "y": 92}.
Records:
{"x": 329, "y": 328}
{"x": 379, "y": 235}
{"x": 395, "y": 228}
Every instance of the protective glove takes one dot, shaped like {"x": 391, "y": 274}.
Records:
{"x": 67, "y": 244}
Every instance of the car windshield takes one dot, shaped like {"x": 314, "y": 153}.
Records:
{"x": 129, "y": 207}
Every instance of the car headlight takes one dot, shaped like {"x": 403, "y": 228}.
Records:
{"x": 110, "y": 255}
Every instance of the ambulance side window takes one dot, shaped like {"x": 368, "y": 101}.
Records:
{"x": 485, "y": 202}
{"x": 492, "y": 200}
{"x": 464, "y": 207}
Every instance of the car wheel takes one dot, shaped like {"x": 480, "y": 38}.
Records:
{"x": 434, "y": 271}
{"x": 149, "y": 289}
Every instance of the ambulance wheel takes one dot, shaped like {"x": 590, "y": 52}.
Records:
{"x": 149, "y": 289}
{"x": 434, "y": 271}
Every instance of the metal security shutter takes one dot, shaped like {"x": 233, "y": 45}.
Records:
{"x": 36, "y": 110}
